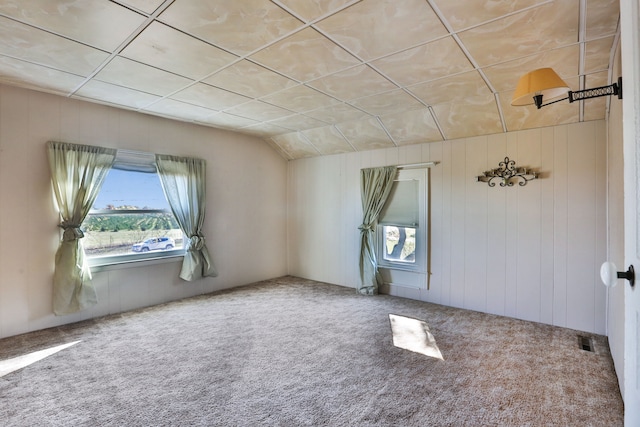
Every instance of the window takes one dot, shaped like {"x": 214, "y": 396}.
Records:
{"x": 402, "y": 235}
{"x": 131, "y": 219}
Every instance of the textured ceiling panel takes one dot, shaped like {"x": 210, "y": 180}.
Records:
{"x": 412, "y": 127}
{"x": 556, "y": 25}
{"x": 316, "y": 77}
{"x": 238, "y": 26}
{"x": 163, "y": 47}
{"x": 328, "y": 140}
{"x": 97, "y": 23}
{"x": 369, "y": 29}
{"x": 134, "y": 75}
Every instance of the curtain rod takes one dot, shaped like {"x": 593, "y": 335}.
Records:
{"x": 417, "y": 165}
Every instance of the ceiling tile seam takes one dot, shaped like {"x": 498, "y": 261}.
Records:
{"x": 384, "y": 128}
{"x": 212, "y": 110}
{"x": 109, "y": 104}
{"x": 319, "y": 18}
{"x": 411, "y": 94}
{"x": 270, "y": 123}
{"x": 281, "y": 148}
{"x": 40, "y": 64}
{"x": 582, "y": 31}
{"x": 582, "y": 80}
{"x": 62, "y": 36}
{"x": 500, "y": 112}
{"x": 134, "y": 89}
{"x": 462, "y": 46}
{"x": 124, "y": 44}
{"x": 435, "y": 120}
{"x": 246, "y": 56}
{"x": 201, "y": 81}
{"x": 489, "y": 21}
{"x": 326, "y": 123}
{"x": 386, "y": 55}
{"x": 306, "y": 113}
{"x": 238, "y": 58}
{"x": 612, "y": 58}
{"x": 333, "y": 73}
{"x": 283, "y": 153}
{"x": 159, "y": 69}
{"x": 349, "y": 103}
{"x": 169, "y": 97}
{"x": 399, "y": 86}
{"x": 345, "y": 138}
{"x": 303, "y": 136}
{"x": 520, "y": 58}
{"x": 133, "y": 8}
{"x": 261, "y": 98}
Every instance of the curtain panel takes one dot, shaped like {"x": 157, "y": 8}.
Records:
{"x": 375, "y": 187}
{"x": 183, "y": 182}
{"x": 77, "y": 173}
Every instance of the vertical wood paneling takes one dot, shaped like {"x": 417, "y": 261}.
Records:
{"x": 354, "y": 216}
{"x": 14, "y": 314}
{"x": 447, "y": 222}
{"x": 511, "y": 226}
{"x": 547, "y": 259}
{"x": 582, "y": 226}
{"x": 561, "y": 224}
{"x": 458, "y": 214}
{"x": 475, "y": 226}
{"x": 529, "y": 230}
{"x": 43, "y": 125}
{"x": 496, "y": 245}
{"x": 437, "y": 220}
{"x": 511, "y": 251}
{"x": 600, "y": 293}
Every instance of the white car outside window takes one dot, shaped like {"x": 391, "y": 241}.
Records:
{"x": 159, "y": 243}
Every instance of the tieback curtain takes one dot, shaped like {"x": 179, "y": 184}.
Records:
{"x": 183, "y": 182}
{"x": 375, "y": 187}
{"x": 77, "y": 173}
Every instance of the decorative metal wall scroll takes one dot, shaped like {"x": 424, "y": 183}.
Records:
{"x": 507, "y": 174}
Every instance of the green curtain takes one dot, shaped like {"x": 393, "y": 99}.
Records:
{"x": 183, "y": 182}
{"x": 77, "y": 173}
{"x": 375, "y": 187}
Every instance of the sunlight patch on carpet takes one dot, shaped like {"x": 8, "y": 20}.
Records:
{"x": 413, "y": 335}
{"x": 10, "y": 365}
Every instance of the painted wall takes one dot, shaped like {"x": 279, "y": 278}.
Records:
{"x": 246, "y": 189}
{"x": 531, "y": 252}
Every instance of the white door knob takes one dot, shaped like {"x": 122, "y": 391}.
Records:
{"x": 610, "y": 274}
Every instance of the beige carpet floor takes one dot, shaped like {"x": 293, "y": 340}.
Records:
{"x": 293, "y": 352}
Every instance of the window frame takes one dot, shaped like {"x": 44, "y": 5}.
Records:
{"x": 421, "y": 240}
{"x": 130, "y": 161}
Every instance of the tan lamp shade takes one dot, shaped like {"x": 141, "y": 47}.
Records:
{"x": 543, "y": 81}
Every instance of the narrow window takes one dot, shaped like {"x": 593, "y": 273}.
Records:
{"x": 403, "y": 227}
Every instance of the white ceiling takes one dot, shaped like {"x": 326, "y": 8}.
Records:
{"x": 315, "y": 77}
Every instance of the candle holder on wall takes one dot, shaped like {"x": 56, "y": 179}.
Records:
{"x": 508, "y": 174}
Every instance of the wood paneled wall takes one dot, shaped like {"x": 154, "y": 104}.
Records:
{"x": 531, "y": 252}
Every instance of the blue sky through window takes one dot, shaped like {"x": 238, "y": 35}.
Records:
{"x": 126, "y": 188}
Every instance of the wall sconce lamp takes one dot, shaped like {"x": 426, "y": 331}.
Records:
{"x": 544, "y": 82}
{"x": 507, "y": 173}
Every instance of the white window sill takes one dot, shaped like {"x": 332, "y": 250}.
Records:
{"x": 105, "y": 264}
{"x": 402, "y": 267}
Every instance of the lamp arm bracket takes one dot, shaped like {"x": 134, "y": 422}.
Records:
{"x": 612, "y": 89}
